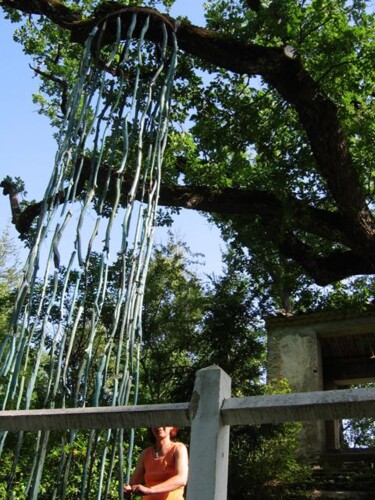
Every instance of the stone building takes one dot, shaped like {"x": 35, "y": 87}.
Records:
{"x": 322, "y": 351}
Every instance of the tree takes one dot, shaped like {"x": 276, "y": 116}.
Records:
{"x": 9, "y": 276}
{"x": 174, "y": 307}
{"x": 9, "y": 260}
{"x": 359, "y": 432}
{"x": 280, "y": 143}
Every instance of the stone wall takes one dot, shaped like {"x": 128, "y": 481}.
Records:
{"x": 294, "y": 354}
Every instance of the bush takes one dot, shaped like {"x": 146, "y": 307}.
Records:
{"x": 263, "y": 459}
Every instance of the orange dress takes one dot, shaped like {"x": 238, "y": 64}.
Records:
{"x": 158, "y": 470}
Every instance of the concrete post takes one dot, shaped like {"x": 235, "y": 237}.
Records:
{"x": 209, "y": 442}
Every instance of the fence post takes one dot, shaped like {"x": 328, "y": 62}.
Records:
{"x": 209, "y": 440}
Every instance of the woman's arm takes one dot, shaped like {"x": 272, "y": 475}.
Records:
{"x": 174, "y": 482}
{"x": 138, "y": 475}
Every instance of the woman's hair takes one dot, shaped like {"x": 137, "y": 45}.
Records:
{"x": 174, "y": 432}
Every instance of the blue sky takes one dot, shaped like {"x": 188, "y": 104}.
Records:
{"x": 27, "y": 147}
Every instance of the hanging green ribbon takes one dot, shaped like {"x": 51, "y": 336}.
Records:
{"x": 115, "y": 129}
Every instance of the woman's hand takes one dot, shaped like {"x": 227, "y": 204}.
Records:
{"x": 141, "y": 489}
{"x": 128, "y": 490}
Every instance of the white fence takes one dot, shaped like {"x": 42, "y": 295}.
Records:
{"x": 210, "y": 413}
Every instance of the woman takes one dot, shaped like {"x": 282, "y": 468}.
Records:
{"x": 162, "y": 470}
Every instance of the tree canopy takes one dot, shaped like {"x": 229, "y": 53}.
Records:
{"x": 273, "y": 119}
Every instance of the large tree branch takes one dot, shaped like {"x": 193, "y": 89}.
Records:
{"x": 55, "y": 10}
{"x": 249, "y": 203}
{"x": 252, "y": 203}
{"x": 319, "y": 117}
{"x": 282, "y": 220}
{"x": 279, "y": 218}
{"x": 324, "y": 269}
